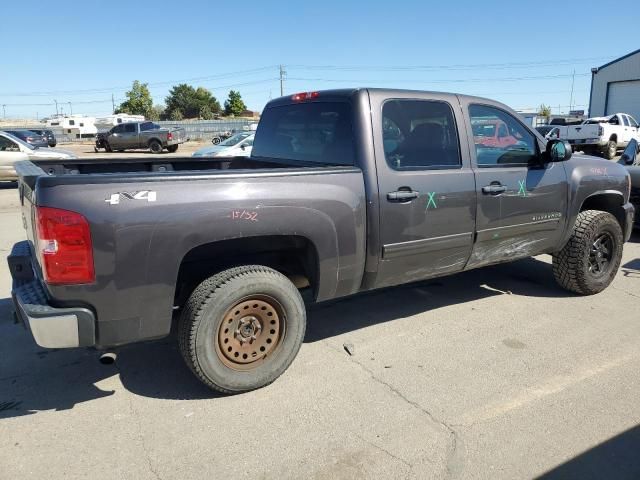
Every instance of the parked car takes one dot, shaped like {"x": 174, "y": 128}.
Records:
{"x": 630, "y": 158}
{"x": 492, "y": 133}
{"x": 604, "y": 135}
{"x": 239, "y": 145}
{"x": 30, "y": 137}
{"x": 48, "y": 134}
{"x": 117, "y": 247}
{"x": 11, "y": 143}
{"x": 141, "y": 135}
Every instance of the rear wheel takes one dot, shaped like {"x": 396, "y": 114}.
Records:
{"x": 589, "y": 261}
{"x": 242, "y": 328}
{"x": 155, "y": 146}
{"x": 172, "y": 148}
{"x": 610, "y": 150}
{"x": 216, "y": 140}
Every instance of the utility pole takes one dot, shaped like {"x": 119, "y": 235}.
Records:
{"x": 4, "y": 112}
{"x": 573, "y": 80}
{"x": 113, "y": 104}
{"x": 282, "y": 74}
{"x": 70, "y": 108}
{"x": 56, "y": 107}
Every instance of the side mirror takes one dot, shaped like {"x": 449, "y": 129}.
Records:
{"x": 558, "y": 150}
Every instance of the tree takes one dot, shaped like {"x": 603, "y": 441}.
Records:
{"x": 138, "y": 102}
{"x": 176, "y": 115}
{"x": 234, "y": 104}
{"x": 206, "y": 113}
{"x": 190, "y": 101}
{"x": 156, "y": 113}
{"x": 544, "y": 111}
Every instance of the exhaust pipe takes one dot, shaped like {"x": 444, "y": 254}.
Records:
{"x": 108, "y": 358}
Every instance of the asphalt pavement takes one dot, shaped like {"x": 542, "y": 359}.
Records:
{"x": 490, "y": 374}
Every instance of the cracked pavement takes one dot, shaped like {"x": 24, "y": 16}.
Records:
{"x": 495, "y": 374}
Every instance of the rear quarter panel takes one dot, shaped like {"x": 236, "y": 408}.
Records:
{"x": 139, "y": 245}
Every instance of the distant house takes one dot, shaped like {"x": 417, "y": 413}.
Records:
{"x": 615, "y": 87}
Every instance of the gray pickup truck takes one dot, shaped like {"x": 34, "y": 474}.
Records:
{"x": 141, "y": 135}
{"x": 346, "y": 191}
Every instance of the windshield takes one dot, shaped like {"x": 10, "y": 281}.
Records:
{"x": 235, "y": 139}
{"x": 318, "y": 132}
{"x": 20, "y": 141}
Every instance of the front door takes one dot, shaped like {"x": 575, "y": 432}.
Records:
{"x": 426, "y": 187}
{"x": 521, "y": 201}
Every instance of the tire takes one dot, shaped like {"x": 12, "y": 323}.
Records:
{"x": 216, "y": 140}
{"x": 107, "y": 147}
{"x": 219, "y": 359}
{"x": 155, "y": 146}
{"x": 574, "y": 267}
{"x": 610, "y": 150}
{"x": 172, "y": 148}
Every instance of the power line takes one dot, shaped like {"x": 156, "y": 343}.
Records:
{"x": 453, "y": 80}
{"x": 149, "y": 84}
{"x": 544, "y": 63}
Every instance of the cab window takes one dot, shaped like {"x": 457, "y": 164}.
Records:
{"x": 513, "y": 146}
{"x": 419, "y": 134}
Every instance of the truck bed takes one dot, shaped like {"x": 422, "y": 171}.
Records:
{"x": 114, "y": 168}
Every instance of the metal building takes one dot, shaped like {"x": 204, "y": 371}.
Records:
{"x": 615, "y": 87}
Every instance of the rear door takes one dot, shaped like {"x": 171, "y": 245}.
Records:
{"x": 426, "y": 186}
{"x": 521, "y": 202}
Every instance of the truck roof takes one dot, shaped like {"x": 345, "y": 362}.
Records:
{"x": 343, "y": 93}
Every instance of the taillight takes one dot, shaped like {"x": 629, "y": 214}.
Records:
{"x": 30, "y": 139}
{"x": 169, "y": 136}
{"x": 64, "y": 247}
{"x": 299, "y": 97}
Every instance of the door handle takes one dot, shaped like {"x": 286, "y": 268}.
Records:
{"x": 402, "y": 195}
{"x": 494, "y": 189}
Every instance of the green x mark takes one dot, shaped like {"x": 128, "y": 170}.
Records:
{"x": 431, "y": 201}
{"x": 522, "y": 190}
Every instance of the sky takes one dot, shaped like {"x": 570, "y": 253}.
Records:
{"x": 80, "y": 53}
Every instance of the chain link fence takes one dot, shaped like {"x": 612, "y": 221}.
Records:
{"x": 195, "y": 129}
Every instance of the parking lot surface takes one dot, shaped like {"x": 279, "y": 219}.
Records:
{"x": 494, "y": 373}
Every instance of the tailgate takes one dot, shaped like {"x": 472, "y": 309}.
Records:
{"x": 583, "y": 132}
{"x": 27, "y": 207}
{"x": 179, "y": 135}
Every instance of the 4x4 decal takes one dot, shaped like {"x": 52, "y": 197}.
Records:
{"x": 148, "y": 195}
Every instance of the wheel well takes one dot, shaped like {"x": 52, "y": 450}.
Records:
{"x": 293, "y": 256}
{"x": 614, "y": 137}
{"x": 607, "y": 202}
{"x": 154, "y": 140}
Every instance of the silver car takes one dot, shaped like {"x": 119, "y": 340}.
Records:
{"x": 12, "y": 149}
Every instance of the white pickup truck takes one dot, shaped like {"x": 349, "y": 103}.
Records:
{"x": 605, "y": 135}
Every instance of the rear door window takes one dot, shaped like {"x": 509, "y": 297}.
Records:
{"x": 130, "y": 127}
{"x": 319, "y": 132}
{"x": 419, "y": 134}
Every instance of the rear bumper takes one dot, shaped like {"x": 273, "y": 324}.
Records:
{"x": 629, "y": 216}
{"x": 50, "y": 326}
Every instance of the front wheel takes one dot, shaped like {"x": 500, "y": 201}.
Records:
{"x": 242, "y": 328}
{"x": 589, "y": 261}
{"x": 172, "y": 148}
{"x": 216, "y": 140}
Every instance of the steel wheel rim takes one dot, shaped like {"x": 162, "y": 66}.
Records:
{"x": 250, "y": 332}
{"x": 601, "y": 254}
